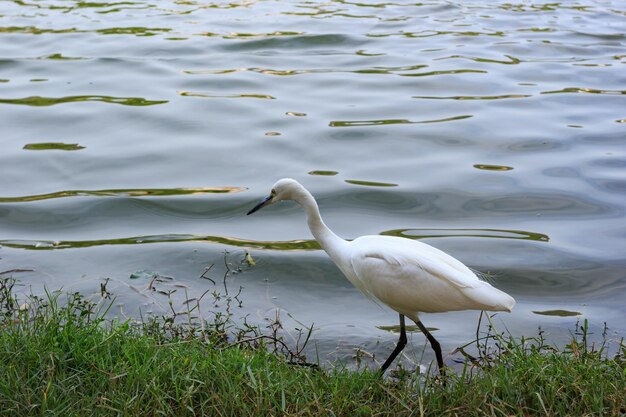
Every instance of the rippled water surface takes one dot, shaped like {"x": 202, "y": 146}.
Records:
{"x": 136, "y": 134}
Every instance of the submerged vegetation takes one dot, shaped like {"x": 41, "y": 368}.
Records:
{"x": 60, "y": 355}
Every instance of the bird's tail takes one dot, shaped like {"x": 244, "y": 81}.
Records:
{"x": 492, "y": 298}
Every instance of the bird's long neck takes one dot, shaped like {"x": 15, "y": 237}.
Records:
{"x": 330, "y": 242}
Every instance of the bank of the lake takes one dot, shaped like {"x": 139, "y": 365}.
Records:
{"x": 60, "y": 356}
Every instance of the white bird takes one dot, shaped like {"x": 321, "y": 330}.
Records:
{"x": 410, "y": 277}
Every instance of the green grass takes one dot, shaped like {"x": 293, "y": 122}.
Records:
{"x": 67, "y": 359}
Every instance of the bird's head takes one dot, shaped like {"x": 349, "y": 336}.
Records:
{"x": 284, "y": 189}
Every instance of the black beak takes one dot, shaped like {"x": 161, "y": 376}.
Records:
{"x": 262, "y": 204}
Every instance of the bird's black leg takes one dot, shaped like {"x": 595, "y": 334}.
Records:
{"x": 401, "y": 344}
{"x": 435, "y": 345}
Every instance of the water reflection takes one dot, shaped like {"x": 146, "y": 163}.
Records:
{"x": 298, "y": 245}
{"x": 133, "y": 30}
{"x": 431, "y": 33}
{"x": 616, "y": 186}
{"x": 562, "y": 172}
{"x": 511, "y": 60}
{"x": 409, "y": 328}
{"x": 170, "y": 238}
{"x": 125, "y": 192}
{"x": 76, "y": 5}
{"x": 288, "y": 42}
{"x": 487, "y": 233}
{"x": 238, "y": 35}
{"x": 584, "y": 90}
{"x": 404, "y": 71}
{"x": 560, "y": 206}
{"x": 207, "y": 95}
{"x": 498, "y": 97}
{"x": 358, "y": 123}
{"x": 38, "y": 101}
{"x": 537, "y": 145}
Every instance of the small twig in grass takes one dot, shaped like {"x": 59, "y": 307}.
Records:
{"x": 306, "y": 339}
{"x": 252, "y": 339}
{"x": 175, "y": 314}
{"x": 498, "y": 337}
{"x": 480, "y": 318}
{"x": 304, "y": 364}
{"x": 467, "y": 356}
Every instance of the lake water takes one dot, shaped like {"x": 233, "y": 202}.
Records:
{"x": 135, "y": 135}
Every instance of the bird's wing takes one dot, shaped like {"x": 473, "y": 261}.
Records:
{"x": 411, "y": 276}
{"x": 403, "y": 257}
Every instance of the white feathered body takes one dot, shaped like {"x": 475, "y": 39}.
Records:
{"x": 409, "y": 276}
{"x": 413, "y": 277}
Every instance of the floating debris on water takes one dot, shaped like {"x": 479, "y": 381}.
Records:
{"x": 558, "y": 313}
{"x": 57, "y": 146}
{"x": 326, "y": 173}
{"x": 488, "y": 167}
{"x": 371, "y": 183}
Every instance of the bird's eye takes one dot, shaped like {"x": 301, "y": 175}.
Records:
{"x": 273, "y": 192}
